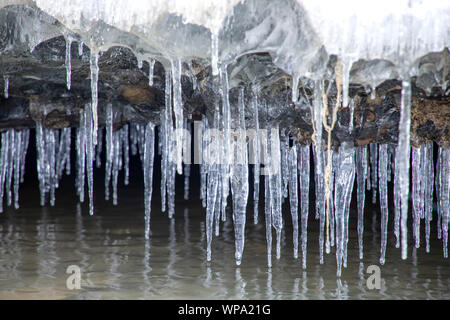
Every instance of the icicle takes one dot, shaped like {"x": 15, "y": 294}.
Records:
{"x": 268, "y": 217}
{"x": 139, "y": 63}
{"x": 23, "y": 154}
{"x": 109, "y": 148}
{"x": 178, "y": 111}
{"x": 81, "y": 156}
{"x": 126, "y": 154}
{"x": 10, "y": 165}
{"x": 382, "y": 174}
{"x": 99, "y": 148}
{"x": 116, "y": 164}
{"x": 417, "y": 196}
{"x": 193, "y": 77}
{"x": 317, "y": 115}
{"x": 94, "y": 91}
{"x": 373, "y": 169}
{"x": 284, "y": 144}
{"x": 444, "y": 189}
{"x": 352, "y": 111}
{"x": 215, "y": 52}
{"x": 293, "y": 196}
{"x": 6, "y": 86}
{"x": 347, "y": 63}
{"x": 149, "y": 149}
{"x": 40, "y": 161}
{"x": 429, "y": 192}
{"x": 151, "y": 69}
{"x": 90, "y": 157}
{"x": 80, "y": 48}
{"x": 68, "y": 61}
{"x": 3, "y": 165}
{"x": 256, "y": 161}
{"x": 344, "y": 179}
{"x": 239, "y": 181}
{"x": 361, "y": 176}
{"x": 402, "y": 161}
{"x": 304, "y": 169}
{"x": 226, "y": 112}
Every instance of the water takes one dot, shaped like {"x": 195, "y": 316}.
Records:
{"x": 37, "y": 244}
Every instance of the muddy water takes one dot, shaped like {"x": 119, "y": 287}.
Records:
{"x": 37, "y": 244}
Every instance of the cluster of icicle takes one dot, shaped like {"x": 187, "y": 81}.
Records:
{"x": 226, "y": 166}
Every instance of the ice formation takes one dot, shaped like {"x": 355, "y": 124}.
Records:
{"x": 303, "y": 38}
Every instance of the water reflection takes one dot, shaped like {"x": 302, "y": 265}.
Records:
{"x": 116, "y": 261}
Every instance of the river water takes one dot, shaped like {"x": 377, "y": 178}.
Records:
{"x": 37, "y": 244}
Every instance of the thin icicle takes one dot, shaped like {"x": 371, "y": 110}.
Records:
{"x": 125, "y": 154}
{"x": 116, "y": 164}
{"x": 99, "y": 148}
{"x": 373, "y": 148}
{"x": 293, "y": 196}
{"x": 304, "y": 169}
{"x": 444, "y": 189}
{"x": 23, "y": 154}
{"x": 402, "y": 161}
{"x": 382, "y": 174}
{"x": 94, "y": 92}
{"x": 361, "y": 177}
{"x": 6, "y": 86}
{"x": 90, "y": 157}
{"x": 68, "y": 61}
{"x": 151, "y": 69}
{"x": 149, "y": 150}
{"x": 429, "y": 162}
{"x": 226, "y": 120}
{"x": 256, "y": 159}
{"x": 3, "y": 165}
{"x": 284, "y": 144}
{"x": 418, "y": 181}
{"x": 10, "y": 165}
{"x": 109, "y": 148}
{"x": 178, "y": 111}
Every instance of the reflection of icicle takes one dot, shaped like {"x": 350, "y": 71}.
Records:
{"x": 344, "y": 179}
{"x": 402, "y": 161}
{"x": 94, "y": 93}
{"x": 149, "y": 149}
{"x": 361, "y": 177}
{"x": 293, "y": 196}
{"x": 187, "y": 173}
{"x": 304, "y": 169}
{"x": 68, "y": 61}
{"x": 382, "y": 174}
